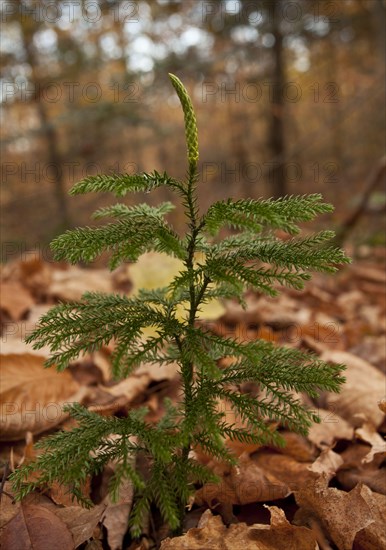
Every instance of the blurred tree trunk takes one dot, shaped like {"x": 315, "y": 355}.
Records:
{"x": 379, "y": 23}
{"x": 372, "y": 182}
{"x": 238, "y": 126}
{"x": 276, "y": 143}
{"x": 47, "y": 128}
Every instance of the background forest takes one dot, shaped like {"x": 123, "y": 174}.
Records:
{"x": 289, "y": 98}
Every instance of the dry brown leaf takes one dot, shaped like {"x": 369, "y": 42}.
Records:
{"x": 297, "y": 447}
{"x": 282, "y": 312}
{"x": 373, "y": 537}
{"x": 33, "y": 396}
{"x": 36, "y": 275}
{"x": 156, "y": 372}
{"x": 373, "y": 346}
{"x": 15, "y": 299}
{"x": 211, "y": 534}
{"x": 248, "y": 482}
{"x": 15, "y": 333}
{"x": 129, "y": 387}
{"x": 116, "y": 515}
{"x": 355, "y": 470}
{"x": 61, "y": 494}
{"x": 370, "y": 273}
{"x": 342, "y": 515}
{"x": 364, "y": 388}
{"x": 36, "y": 527}
{"x": 101, "y": 359}
{"x": 80, "y": 521}
{"x": 283, "y": 469}
{"x": 331, "y": 428}
{"x": 327, "y": 463}
{"x": 71, "y": 284}
{"x": 8, "y": 507}
{"x": 369, "y": 435}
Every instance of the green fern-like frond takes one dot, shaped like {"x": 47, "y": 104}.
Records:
{"x": 126, "y": 240}
{"x": 121, "y": 184}
{"x": 254, "y": 257}
{"x": 252, "y": 215}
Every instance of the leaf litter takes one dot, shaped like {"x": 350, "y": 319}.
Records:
{"x": 324, "y": 491}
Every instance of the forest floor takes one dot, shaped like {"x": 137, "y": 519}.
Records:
{"x": 323, "y": 491}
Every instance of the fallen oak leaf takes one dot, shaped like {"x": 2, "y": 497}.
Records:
{"x": 330, "y": 429}
{"x": 36, "y": 527}
{"x": 341, "y": 515}
{"x": 327, "y": 463}
{"x": 212, "y": 534}
{"x": 80, "y": 521}
{"x": 33, "y": 396}
{"x": 9, "y": 507}
{"x": 355, "y": 470}
{"x": 116, "y": 515}
{"x": 69, "y": 285}
{"x": 15, "y": 299}
{"x": 243, "y": 484}
{"x": 373, "y": 537}
{"x": 369, "y": 435}
{"x": 118, "y": 499}
{"x": 362, "y": 391}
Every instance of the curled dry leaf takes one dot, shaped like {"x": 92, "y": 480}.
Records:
{"x": 130, "y": 388}
{"x": 69, "y": 285}
{"x": 36, "y": 275}
{"x": 32, "y": 396}
{"x": 327, "y": 463}
{"x": 373, "y": 537}
{"x": 263, "y": 477}
{"x": 331, "y": 428}
{"x": 297, "y": 447}
{"x": 116, "y": 514}
{"x": 341, "y": 515}
{"x": 369, "y": 435}
{"x": 363, "y": 390}
{"x": 80, "y": 521}
{"x": 15, "y": 333}
{"x": 282, "y": 312}
{"x": 8, "y": 506}
{"x": 212, "y": 534}
{"x": 15, "y": 299}
{"x": 355, "y": 470}
{"x": 37, "y": 527}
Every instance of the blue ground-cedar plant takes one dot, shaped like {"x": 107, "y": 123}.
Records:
{"x": 253, "y": 257}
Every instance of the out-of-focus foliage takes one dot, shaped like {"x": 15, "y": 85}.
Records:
{"x": 299, "y": 86}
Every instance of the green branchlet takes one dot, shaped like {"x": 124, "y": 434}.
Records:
{"x": 252, "y": 258}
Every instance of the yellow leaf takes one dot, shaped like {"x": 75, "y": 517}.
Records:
{"x": 155, "y": 269}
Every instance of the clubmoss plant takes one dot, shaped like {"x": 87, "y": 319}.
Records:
{"x": 253, "y": 257}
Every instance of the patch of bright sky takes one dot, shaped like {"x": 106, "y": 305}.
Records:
{"x": 46, "y": 41}
{"x": 302, "y": 55}
{"x": 11, "y": 40}
{"x": 243, "y": 34}
{"x": 140, "y": 53}
{"x": 318, "y": 25}
{"x": 232, "y": 6}
{"x": 255, "y": 18}
{"x": 268, "y": 40}
{"x": 109, "y": 45}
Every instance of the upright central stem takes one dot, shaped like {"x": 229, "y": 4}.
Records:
{"x": 187, "y": 365}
